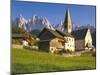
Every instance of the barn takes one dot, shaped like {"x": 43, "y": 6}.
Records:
{"x": 55, "y": 40}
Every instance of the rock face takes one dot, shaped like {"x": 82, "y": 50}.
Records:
{"x": 21, "y": 22}
{"x": 35, "y": 23}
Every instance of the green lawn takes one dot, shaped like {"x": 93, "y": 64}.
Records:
{"x": 27, "y": 61}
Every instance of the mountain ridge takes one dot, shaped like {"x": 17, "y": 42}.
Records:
{"x": 35, "y": 23}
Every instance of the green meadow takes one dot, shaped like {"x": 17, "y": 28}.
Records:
{"x": 31, "y": 61}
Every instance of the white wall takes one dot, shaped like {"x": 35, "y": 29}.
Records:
{"x": 70, "y": 43}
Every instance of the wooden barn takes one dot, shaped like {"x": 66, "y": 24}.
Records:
{"x": 54, "y": 40}
{"x": 50, "y": 40}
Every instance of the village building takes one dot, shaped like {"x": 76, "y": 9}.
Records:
{"x": 56, "y": 40}
{"x": 68, "y": 40}
{"x": 50, "y": 40}
{"x": 21, "y": 39}
{"x": 83, "y": 39}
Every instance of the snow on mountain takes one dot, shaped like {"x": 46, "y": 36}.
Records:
{"x": 60, "y": 26}
{"x": 21, "y": 21}
{"x": 35, "y": 23}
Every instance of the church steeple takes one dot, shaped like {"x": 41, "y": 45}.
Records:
{"x": 67, "y": 22}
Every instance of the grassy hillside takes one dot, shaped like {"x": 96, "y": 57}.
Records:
{"x": 26, "y": 61}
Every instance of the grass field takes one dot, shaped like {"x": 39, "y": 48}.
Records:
{"x": 26, "y": 61}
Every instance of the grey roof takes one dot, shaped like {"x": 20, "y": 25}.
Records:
{"x": 56, "y": 33}
{"x": 63, "y": 33}
{"x": 80, "y": 34}
{"x": 53, "y": 32}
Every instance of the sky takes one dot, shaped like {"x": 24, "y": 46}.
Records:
{"x": 55, "y": 13}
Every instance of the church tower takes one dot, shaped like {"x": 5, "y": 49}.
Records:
{"x": 67, "y": 22}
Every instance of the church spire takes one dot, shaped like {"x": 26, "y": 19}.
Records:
{"x": 67, "y": 22}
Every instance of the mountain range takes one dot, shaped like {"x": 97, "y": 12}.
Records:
{"x": 36, "y": 24}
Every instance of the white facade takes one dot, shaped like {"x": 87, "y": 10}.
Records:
{"x": 70, "y": 44}
{"x": 88, "y": 38}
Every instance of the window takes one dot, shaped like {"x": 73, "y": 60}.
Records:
{"x": 66, "y": 40}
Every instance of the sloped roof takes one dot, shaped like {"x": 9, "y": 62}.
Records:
{"x": 56, "y": 33}
{"x": 63, "y": 33}
{"x": 51, "y": 31}
{"x": 18, "y": 35}
{"x": 67, "y": 21}
{"x": 80, "y": 34}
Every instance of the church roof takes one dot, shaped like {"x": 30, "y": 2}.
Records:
{"x": 67, "y": 22}
{"x": 80, "y": 34}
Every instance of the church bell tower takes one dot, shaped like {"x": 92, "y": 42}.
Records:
{"x": 67, "y": 22}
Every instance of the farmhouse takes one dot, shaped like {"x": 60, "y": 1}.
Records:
{"x": 68, "y": 40}
{"x": 20, "y": 39}
{"x": 55, "y": 40}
